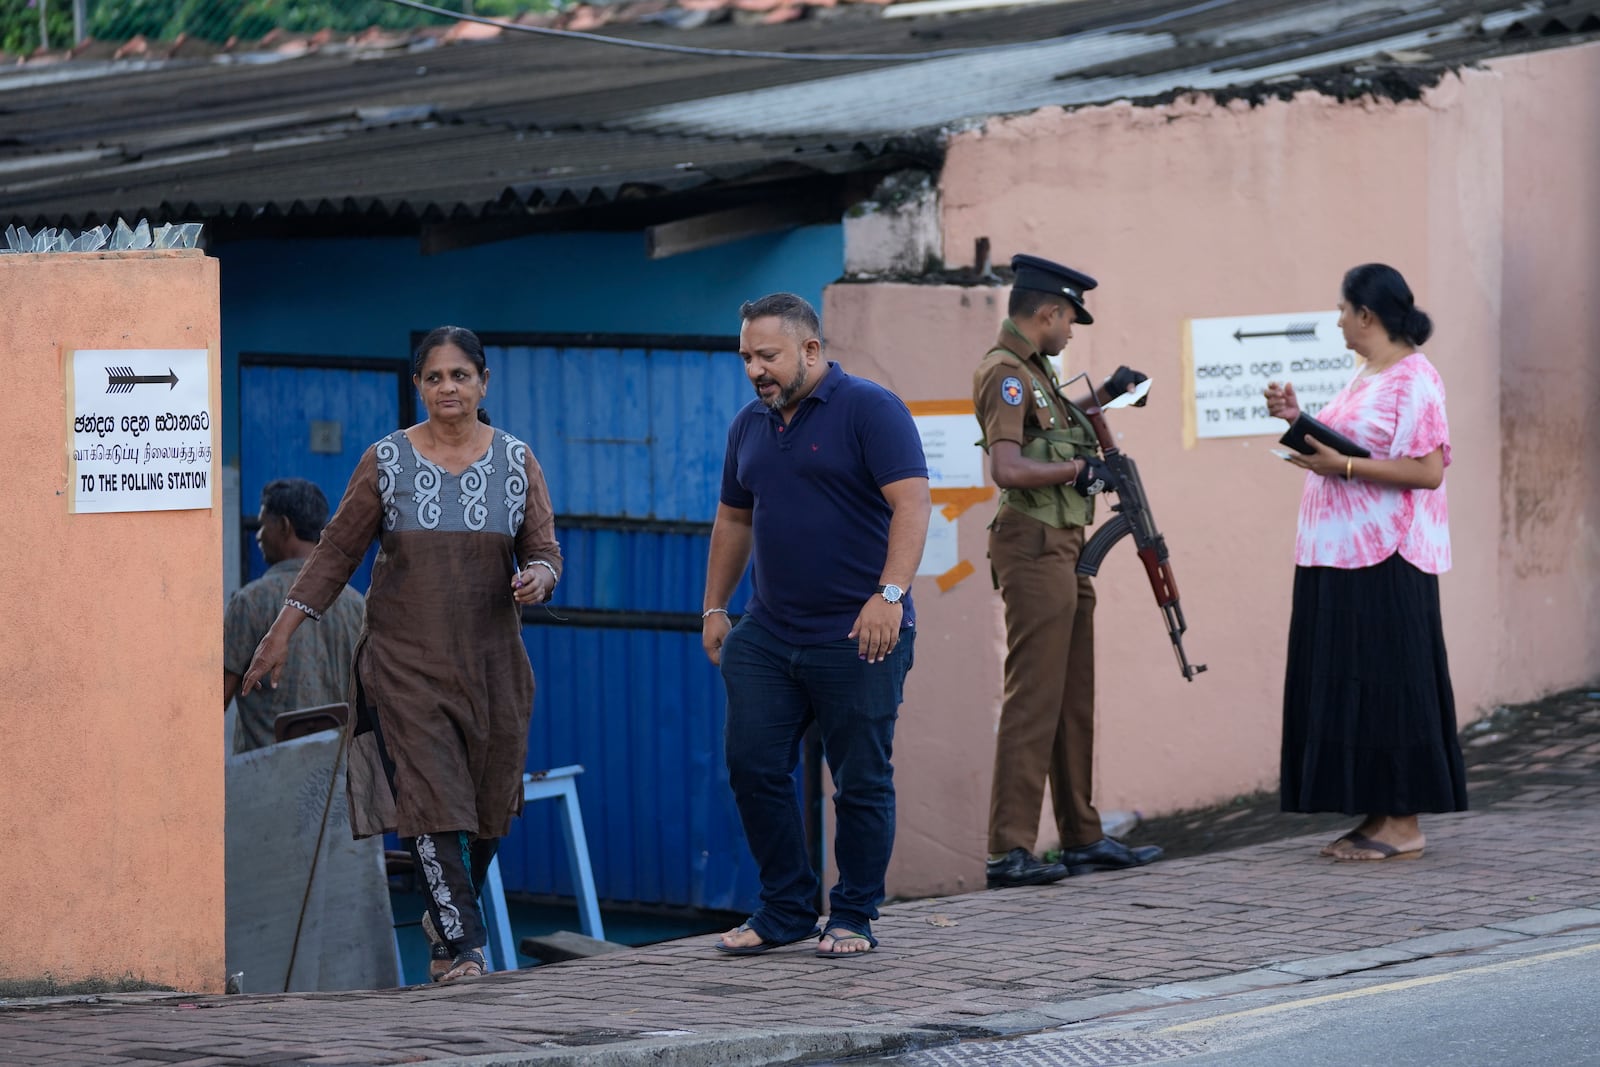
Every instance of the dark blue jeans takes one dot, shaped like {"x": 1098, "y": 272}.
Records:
{"x": 775, "y": 691}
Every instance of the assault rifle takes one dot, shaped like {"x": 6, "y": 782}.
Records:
{"x": 1133, "y": 517}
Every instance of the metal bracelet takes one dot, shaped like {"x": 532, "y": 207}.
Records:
{"x": 706, "y": 614}
{"x": 554, "y": 577}
{"x": 307, "y": 608}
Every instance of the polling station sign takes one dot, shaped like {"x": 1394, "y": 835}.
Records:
{"x": 1233, "y": 359}
{"x": 140, "y": 433}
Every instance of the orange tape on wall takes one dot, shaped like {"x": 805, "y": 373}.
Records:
{"x": 956, "y": 501}
{"x": 949, "y": 578}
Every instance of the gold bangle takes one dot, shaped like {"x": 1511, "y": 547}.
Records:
{"x": 1349, "y": 462}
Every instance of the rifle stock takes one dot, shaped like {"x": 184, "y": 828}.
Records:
{"x": 1133, "y": 517}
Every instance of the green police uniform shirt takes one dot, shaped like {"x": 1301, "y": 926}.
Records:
{"x": 1015, "y": 394}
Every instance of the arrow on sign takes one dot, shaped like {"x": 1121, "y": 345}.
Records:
{"x": 1300, "y": 331}
{"x": 122, "y": 379}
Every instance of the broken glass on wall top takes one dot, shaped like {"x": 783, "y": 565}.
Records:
{"x": 121, "y": 238}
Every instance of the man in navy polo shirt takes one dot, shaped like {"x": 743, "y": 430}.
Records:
{"x": 825, "y": 489}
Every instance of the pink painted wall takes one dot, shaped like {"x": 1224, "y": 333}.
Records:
{"x": 112, "y": 764}
{"x": 1549, "y": 521}
{"x": 922, "y": 342}
{"x": 1192, "y": 210}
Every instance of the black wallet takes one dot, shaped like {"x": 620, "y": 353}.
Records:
{"x": 1305, "y": 426}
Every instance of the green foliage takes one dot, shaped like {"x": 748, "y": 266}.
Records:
{"x": 505, "y": 9}
{"x": 19, "y": 25}
{"x": 218, "y": 20}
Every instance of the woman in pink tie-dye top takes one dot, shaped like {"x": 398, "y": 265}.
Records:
{"x": 1369, "y": 724}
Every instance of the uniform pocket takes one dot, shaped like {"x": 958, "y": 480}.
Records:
{"x": 1016, "y": 536}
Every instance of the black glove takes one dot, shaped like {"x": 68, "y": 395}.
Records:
{"x": 1123, "y": 379}
{"x": 1095, "y": 477}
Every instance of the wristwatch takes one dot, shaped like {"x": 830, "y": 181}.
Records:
{"x": 891, "y": 593}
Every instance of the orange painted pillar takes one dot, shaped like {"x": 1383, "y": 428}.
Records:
{"x": 111, "y": 775}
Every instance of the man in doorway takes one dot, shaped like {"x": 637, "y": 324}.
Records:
{"x": 1044, "y": 456}
{"x": 293, "y": 512}
{"x": 825, "y": 489}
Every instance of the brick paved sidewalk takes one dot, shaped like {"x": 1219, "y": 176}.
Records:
{"x": 944, "y": 962}
{"x": 1531, "y": 754}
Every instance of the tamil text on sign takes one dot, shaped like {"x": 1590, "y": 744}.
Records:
{"x": 141, "y": 430}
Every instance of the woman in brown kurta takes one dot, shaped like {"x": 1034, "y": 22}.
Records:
{"x": 443, "y": 690}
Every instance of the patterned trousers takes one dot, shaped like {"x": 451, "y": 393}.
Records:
{"x": 451, "y": 867}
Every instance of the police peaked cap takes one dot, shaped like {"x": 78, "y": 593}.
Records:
{"x": 1041, "y": 275}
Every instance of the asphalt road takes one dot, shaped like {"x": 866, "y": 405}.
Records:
{"x": 1535, "y": 1004}
{"x": 1541, "y": 1009}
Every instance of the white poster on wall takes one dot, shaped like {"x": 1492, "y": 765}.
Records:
{"x": 940, "y": 552}
{"x": 950, "y": 444}
{"x": 1235, "y": 358}
{"x": 140, "y": 430}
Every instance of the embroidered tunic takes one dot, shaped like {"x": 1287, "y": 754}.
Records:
{"x": 441, "y": 662}
{"x": 1394, "y": 414}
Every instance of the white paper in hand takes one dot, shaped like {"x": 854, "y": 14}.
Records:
{"x": 1130, "y": 398}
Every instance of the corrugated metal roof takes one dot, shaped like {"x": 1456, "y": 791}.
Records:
{"x": 395, "y": 136}
{"x": 425, "y": 172}
{"x": 932, "y": 93}
{"x": 1187, "y": 52}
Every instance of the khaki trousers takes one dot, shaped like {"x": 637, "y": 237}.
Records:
{"x": 1047, "y": 713}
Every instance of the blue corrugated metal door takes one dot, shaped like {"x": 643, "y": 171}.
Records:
{"x": 630, "y": 434}
{"x": 312, "y": 417}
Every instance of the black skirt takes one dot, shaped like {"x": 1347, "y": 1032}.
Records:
{"x": 1369, "y": 718}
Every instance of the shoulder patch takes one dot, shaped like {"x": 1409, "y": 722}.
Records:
{"x": 1011, "y": 391}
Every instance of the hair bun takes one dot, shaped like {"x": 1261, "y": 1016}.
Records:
{"x": 1419, "y": 327}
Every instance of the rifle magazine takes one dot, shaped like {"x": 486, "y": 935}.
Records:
{"x": 1104, "y": 540}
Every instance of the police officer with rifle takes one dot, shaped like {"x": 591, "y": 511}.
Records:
{"x": 1045, "y": 455}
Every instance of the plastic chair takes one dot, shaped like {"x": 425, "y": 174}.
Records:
{"x": 559, "y": 783}
{"x": 501, "y": 951}
{"x": 302, "y": 721}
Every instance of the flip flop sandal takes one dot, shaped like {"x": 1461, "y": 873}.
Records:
{"x": 440, "y": 958}
{"x": 1332, "y": 848}
{"x": 841, "y": 935}
{"x": 469, "y": 964}
{"x": 1385, "y": 852}
{"x": 757, "y": 949}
